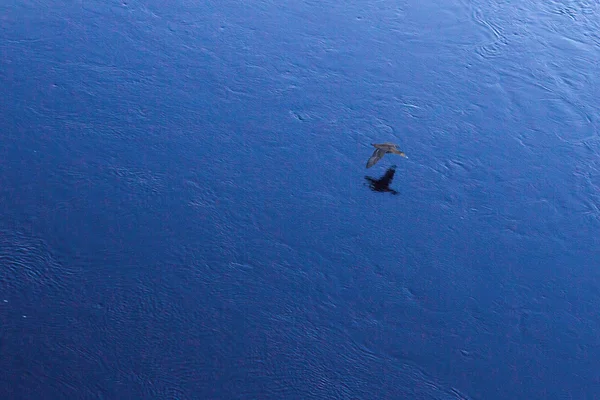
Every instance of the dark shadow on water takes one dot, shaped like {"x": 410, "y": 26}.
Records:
{"x": 383, "y": 184}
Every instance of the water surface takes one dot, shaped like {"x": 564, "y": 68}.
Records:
{"x": 185, "y": 213}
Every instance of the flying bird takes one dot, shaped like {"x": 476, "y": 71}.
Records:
{"x": 381, "y": 150}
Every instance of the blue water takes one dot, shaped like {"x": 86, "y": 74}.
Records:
{"x": 184, "y": 212}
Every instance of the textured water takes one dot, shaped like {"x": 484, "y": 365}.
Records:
{"x": 185, "y": 214}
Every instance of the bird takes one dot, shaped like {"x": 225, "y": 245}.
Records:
{"x": 381, "y": 150}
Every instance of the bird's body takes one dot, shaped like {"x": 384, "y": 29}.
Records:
{"x": 381, "y": 150}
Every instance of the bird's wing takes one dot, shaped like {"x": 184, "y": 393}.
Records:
{"x": 377, "y": 154}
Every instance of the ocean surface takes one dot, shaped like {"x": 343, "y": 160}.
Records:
{"x": 185, "y": 211}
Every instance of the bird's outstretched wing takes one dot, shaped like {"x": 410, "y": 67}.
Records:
{"x": 377, "y": 155}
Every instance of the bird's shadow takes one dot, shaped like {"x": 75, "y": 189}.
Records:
{"x": 383, "y": 184}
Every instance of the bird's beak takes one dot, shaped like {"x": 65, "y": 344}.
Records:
{"x": 404, "y": 155}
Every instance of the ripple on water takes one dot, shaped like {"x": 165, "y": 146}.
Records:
{"x": 27, "y": 264}
{"x": 146, "y": 181}
{"x": 497, "y": 43}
